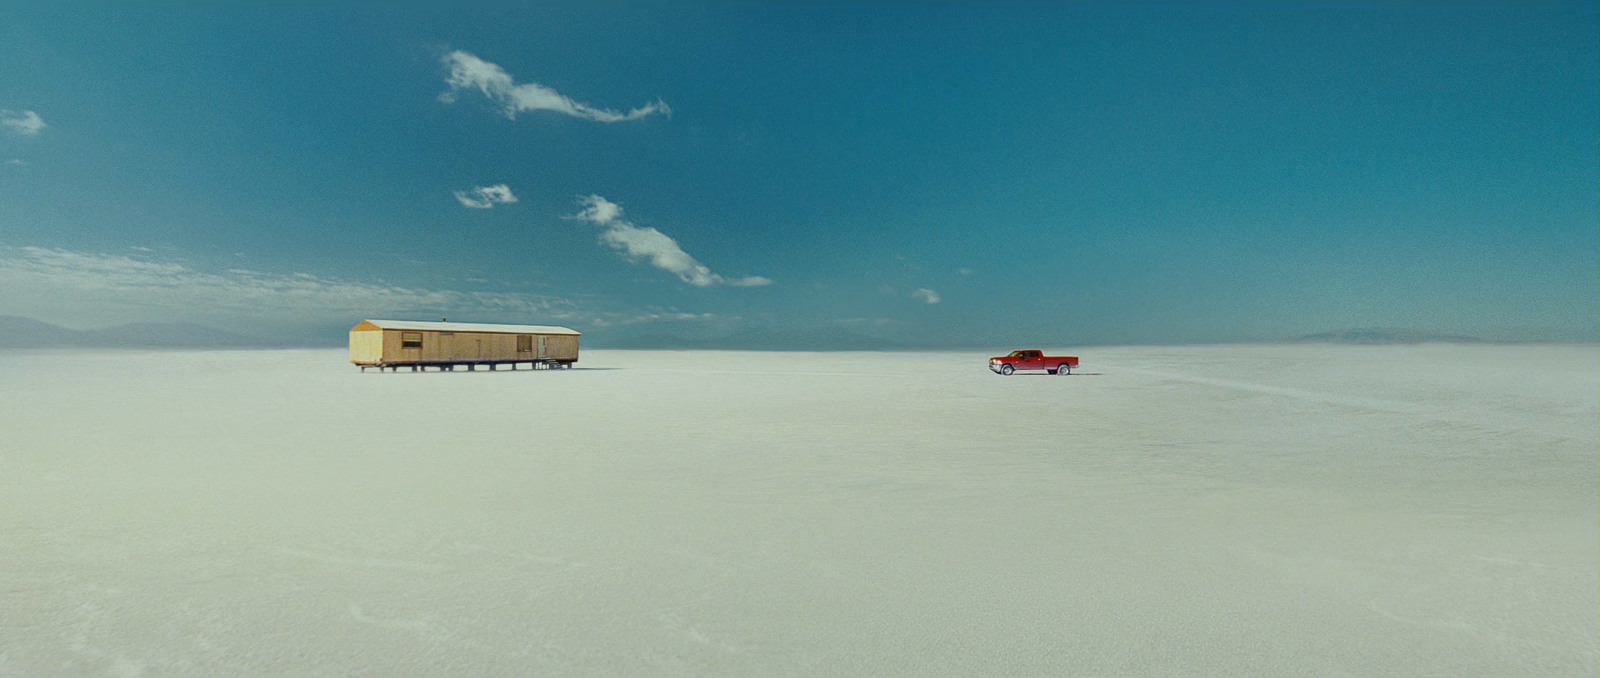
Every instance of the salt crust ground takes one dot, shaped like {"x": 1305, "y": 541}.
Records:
{"x": 1269, "y": 510}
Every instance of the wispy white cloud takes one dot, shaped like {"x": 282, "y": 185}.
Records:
{"x": 662, "y": 251}
{"x": 97, "y": 288}
{"x": 657, "y": 316}
{"x": 598, "y": 210}
{"x": 869, "y": 322}
{"x": 26, "y": 123}
{"x": 468, "y": 72}
{"x": 964, "y": 271}
{"x": 485, "y": 197}
{"x": 926, "y": 295}
{"x": 16, "y": 161}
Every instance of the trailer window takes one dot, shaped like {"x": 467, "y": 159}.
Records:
{"x": 524, "y": 343}
{"x": 410, "y": 340}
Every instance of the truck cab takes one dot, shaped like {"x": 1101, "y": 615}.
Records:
{"x": 1032, "y": 359}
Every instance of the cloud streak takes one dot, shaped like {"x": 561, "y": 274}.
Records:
{"x": 927, "y": 295}
{"x": 485, "y": 197}
{"x": 658, "y": 248}
{"x": 468, "y": 72}
{"x": 95, "y": 287}
{"x": 26, "y": 123}
{"x": 658, "y": 316}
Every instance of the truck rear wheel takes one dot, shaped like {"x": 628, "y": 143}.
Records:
{"x": 1064, "y": 370}
{"x": 1007, "y": 370}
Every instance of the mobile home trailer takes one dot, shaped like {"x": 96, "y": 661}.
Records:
{"x": 392, "y": 344}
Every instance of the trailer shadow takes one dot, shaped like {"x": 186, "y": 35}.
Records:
{"x": 565, "y": 369}
{"x": 498, "y": 371}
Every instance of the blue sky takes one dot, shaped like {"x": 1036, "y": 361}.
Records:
{"x": 934, "y": 174}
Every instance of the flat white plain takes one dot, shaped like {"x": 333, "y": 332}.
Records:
{"x": 1226, "y": 510}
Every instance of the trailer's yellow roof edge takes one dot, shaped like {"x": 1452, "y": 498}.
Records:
{"x": 426, "y": 326}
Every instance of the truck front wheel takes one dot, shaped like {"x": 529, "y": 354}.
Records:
{"x": 1007, "y": 370}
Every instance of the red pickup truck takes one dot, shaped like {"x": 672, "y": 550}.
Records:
{"x": 1033, "y": 360}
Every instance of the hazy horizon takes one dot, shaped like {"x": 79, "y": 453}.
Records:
{"x": 31, "y": 333}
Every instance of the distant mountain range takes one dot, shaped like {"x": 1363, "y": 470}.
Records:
{"x": 1386, "y": 336}
{"x": 19, "y": 332}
